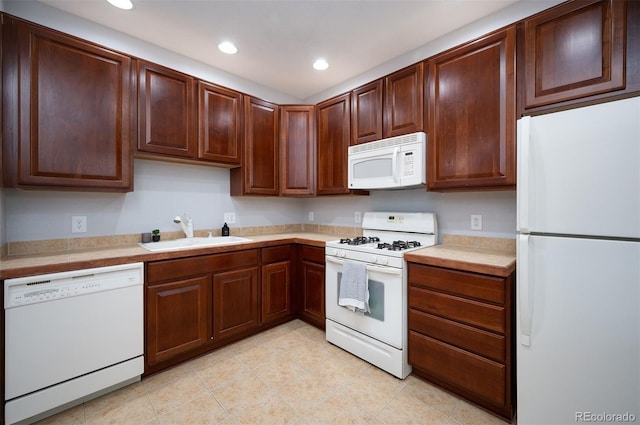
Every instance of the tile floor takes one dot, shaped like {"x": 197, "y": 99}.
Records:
{"x": 287, "y": 375}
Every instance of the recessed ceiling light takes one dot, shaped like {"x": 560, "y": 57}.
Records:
{"x": 122, "y": 4}
{"x": 227, "y": 47}
{"x": 320, "y": 65}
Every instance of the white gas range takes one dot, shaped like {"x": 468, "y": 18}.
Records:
{"x": 378, "y": 335}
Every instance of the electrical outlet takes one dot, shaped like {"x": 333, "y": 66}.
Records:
{"x": 311, "y": 218}
{"x": 229, "y": 217}
{"x": 476, "y": 222}
{"x": 79, "y": 224}
{"x": 357, "y": 217}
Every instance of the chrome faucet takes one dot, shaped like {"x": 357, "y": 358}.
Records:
{"x": 186, "y": 228}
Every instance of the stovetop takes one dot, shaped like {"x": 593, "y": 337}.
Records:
{"x": 387, "y": 235}
{"x": 374, "y": 242}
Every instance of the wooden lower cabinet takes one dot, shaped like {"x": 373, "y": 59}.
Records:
{"x": 197, "y": 304}
{"x": 460, "y": 334}
{"x": 235, "y": 302}
{"x": 311, "y": 281}
{"x": 178, "y": 317}
{"x": 276, "y": 284}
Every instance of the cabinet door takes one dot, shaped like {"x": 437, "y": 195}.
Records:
{"x": 178, "y": 317}
{"x": 166, "y": 115}
{"x": 276, "y": 283}
{"x": 259, "y": 172}
{"x": 235, "y": 302}
{"x": 574, "y": 50}
{"x": 333, "y": 118}
{"x": 220, "y": 124}
{"x": 313, "y": 308}
{"x": 403, "y": 104}
{"x": 68, "y": 118}
{"x": 297, "y": 150}
{"x": 472, "y": 115}
{"x": 366, "y": 113}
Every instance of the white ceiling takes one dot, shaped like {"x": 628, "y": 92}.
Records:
{"x": 278, "y": 40}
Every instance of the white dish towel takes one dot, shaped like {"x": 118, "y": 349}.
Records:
{"x": 354, "y": 287}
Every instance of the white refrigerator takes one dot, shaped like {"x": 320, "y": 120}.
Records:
{"x": 578, "y": 269}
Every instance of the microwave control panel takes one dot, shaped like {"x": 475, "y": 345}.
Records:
{"x": 407, "y": 164}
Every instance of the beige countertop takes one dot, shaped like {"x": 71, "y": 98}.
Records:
{"x": 28, "y": 265}
{"x": 481, "y": 255}
{"x": 492, "y": 256}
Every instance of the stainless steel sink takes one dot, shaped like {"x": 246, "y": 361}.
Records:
{"x": 190, "y": 243}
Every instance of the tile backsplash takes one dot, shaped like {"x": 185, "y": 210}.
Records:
{"x": 77, "y": 244}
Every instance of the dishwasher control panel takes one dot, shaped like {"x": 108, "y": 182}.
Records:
{"x": 44, "y": 288}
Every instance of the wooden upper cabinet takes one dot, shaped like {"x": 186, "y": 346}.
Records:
{"x": 259, "y": 172}
{"x": 68, "y": 121}
{"x": 574, "y": 50}
{"x": 472, "y": 115}
{"x": 333, "y": 120}
{"x": 366, "y": 113}
{"x": 166, "y": 111}
{"x": 219, "y": 124}
{"x": 403, "y": 101}
{"x": 297, "y": 150}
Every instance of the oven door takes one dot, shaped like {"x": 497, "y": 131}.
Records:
{"x": 386, "y": 301}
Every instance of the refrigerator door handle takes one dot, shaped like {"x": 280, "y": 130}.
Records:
{"x": 525, "y": 297}
{"x": 523, "y": 170}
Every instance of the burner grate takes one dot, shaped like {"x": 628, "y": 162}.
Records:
{"x": 360, "y": 240}
{"x": 399, "y": 245}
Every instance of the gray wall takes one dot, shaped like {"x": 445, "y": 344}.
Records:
{"x": 164, "y": 190}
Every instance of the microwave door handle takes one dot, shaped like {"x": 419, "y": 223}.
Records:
{"x": 394, "y": 164}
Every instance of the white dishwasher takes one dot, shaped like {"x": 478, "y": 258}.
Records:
{"x": 71, "y": 336}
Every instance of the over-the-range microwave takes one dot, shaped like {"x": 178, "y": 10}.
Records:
{"x": 393, "y": 163}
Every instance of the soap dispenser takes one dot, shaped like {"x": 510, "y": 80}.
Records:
{"x": 225, "y": 230}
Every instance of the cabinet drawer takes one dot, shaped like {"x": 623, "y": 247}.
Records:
{"x": 471, "y": 285}
{"x": 274, "y": 254}
{"x": 481, "y": 342}
{"x": 468, "y": 371}
{"x": 312, "y": 253}
{"x": 170, "y": 269}
{"x": 486, "y": 316}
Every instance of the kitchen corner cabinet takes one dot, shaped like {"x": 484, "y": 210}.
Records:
{"x": 167, "y": 120}
{"x": 334, "y": 135}
{"x": 297, "y": 150}
{"x": 576, "y": 50}
{"x": 312, "y": 289}
{"x": 472, "y": 115}
{"x": 461, "y": 334}
{"x": 68, "y": 114}
{"x": 403, "y": 101}
{"x": 220, "y": 124}
{"x": 259, "y": 172}
{"x": 366, "y": 113}
{"x": 276, "y": 284}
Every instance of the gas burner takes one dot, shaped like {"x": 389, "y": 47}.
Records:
{"x": 399, "y": 245}
{"x": 360, "y": 240}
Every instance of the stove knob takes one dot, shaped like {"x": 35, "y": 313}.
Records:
{"x": 374, "y": 259}
{"x": 383, "y": 261}
{"x": 333, "y": 252}
{"x": 342, "y": 254}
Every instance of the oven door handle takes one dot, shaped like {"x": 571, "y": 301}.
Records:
{"x": 387, "y": 270}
